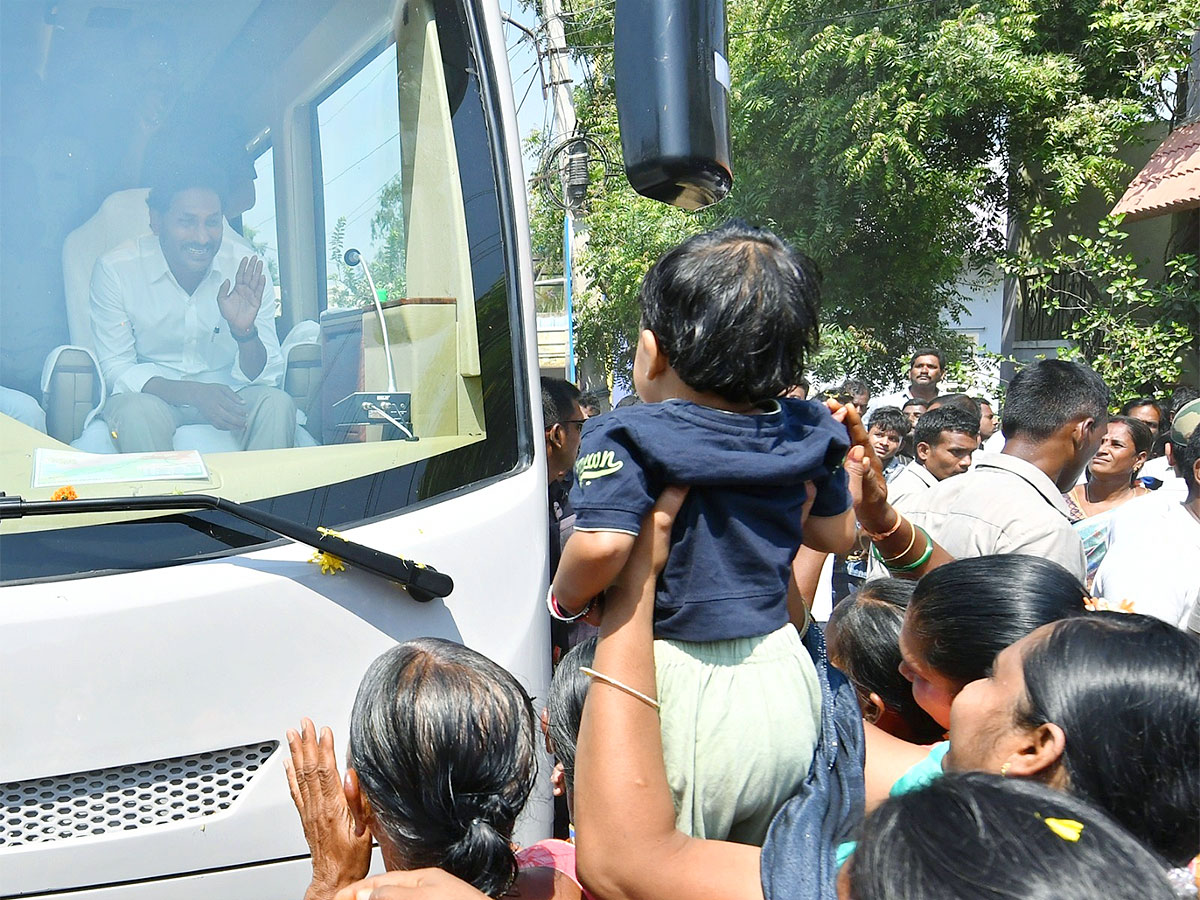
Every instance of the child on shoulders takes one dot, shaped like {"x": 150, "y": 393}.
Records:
{"x": 728, "y": 318}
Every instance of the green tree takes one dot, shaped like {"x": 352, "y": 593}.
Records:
{"x": 895, "y": 146}
{"x": 347, "y": 286}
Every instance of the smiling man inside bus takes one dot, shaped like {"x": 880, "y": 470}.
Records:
{"x": 185, "y": 332}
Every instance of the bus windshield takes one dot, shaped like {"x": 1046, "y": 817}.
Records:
{"x": 253, "y": 249}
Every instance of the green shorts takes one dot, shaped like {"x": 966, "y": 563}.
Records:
{"x": 739, "y": 720}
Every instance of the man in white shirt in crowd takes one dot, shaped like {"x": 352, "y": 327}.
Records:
{"x": 1055, "y": 414}
{"x": 944, "y": 440}
{"x": 925, "y": 372}
{"x": 185, "y": 326}
{"x": 1153, "y": 558}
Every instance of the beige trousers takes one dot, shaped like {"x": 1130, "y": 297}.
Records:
{"x": 143, "y": 422}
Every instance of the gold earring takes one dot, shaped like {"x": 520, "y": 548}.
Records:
{"x": 1004, "y": 769}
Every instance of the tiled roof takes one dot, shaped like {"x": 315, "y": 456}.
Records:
{"x": 1170, "y": 180}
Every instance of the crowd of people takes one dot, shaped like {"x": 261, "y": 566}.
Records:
{"x": 1004, "y": 701}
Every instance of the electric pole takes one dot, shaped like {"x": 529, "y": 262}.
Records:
{"x": 572, "y": 170}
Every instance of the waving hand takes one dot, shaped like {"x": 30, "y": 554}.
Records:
{"x": 240, "y": 305}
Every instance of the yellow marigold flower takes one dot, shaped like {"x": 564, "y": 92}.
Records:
{"x": 65, "y": 493}
{"x": 329, "y": 563}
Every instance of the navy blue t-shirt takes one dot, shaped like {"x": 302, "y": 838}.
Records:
{"x": 733, "y": 542}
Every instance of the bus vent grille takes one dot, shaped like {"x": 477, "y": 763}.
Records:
{"x": 126, "y": 798}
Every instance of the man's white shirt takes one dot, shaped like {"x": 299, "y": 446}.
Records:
{"x": 146, "y": 325}
{"x": 912, "y": 479}
{"x": 1153, "y": 559}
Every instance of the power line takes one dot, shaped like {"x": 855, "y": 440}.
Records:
{"x": 525, "y": 96}
{"x": 361, "y": 158}
{"x": 370, "y": 81}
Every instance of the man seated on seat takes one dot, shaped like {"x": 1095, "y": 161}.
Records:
{"x": 185, "y": 327}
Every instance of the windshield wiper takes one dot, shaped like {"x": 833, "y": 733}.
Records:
{"x": 422, "y": 582}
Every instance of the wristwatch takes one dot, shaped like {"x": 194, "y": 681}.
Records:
{"x": 244, "y": 338}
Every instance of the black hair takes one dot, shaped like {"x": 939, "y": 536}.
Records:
{"x": 1181, "y": 397}
{"x": 1138, "y": 402}
{"x": 863, "y": 637}
{"x": 180, "y": 174}
{"x": 889, "y": 418}
{"x": 1142, "y": 434}
{"x": 972, "y": 836}
{"x": 564, "y": 704}
{"x": 967, "y": 611}
{"x": 1051, "y": 393}
{"x": 964, "y": 402}
{"x": 928, "y": 351}
{"x": 930, "y": 427}
{"x": 1185, "y": 459}
{"x": 558, "y": 400}
{"x": 734, "y": 310}
{"x": 982, "y": 402}
{"x": 1125, "y": 689}
{"x": 592, "y": 399}
{"x": 443, "y": 742}
{"x": 915, "y": 401}
{"x": 854, "y": 386}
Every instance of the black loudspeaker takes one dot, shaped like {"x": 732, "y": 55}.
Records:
{"x": 672, "y": 79}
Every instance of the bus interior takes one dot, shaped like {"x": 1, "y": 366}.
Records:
{"x": 339, "y": 125}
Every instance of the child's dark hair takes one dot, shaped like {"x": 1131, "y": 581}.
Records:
{"x": 734, "y": 310}
{"x": 863, "y": 636}
{"x": 973, "y": 836}
{"x": 890, "y": 418}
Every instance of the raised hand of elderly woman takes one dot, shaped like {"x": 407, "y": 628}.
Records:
{"x": 340, "y": 847}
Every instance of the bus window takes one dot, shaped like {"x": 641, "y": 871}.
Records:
{"x": 378, "y": 141}
{"x": 358, "y": 126}
{"x": 258, "y": 222}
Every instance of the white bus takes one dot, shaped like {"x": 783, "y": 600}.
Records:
{"x": 161, "y": 623}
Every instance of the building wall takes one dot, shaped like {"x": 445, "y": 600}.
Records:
{"x": 983, "y": 319}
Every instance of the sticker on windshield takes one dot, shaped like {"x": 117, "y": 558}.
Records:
{"x": 55, "y": 468}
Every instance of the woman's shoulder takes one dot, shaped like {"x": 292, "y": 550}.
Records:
{"x": 547, "y": 871}
{"x": 924, "y": 771}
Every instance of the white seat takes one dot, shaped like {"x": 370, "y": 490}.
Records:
{"x": 122, "y": 217}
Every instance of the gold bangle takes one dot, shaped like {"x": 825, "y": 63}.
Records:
{"x": 612, "y": 682}
{"x": 887, "y": 534}
{"x": 903, "y": 554}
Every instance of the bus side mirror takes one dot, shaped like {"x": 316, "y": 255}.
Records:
{"x": 672, "y": 83}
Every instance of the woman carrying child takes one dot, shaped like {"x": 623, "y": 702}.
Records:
{"x": 728, "y": 319}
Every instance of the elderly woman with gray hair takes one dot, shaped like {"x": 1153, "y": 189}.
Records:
{"x": 440, "y": 763}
